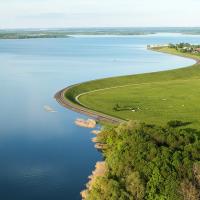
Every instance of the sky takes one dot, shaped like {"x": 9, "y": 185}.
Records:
{"x": 98, "y": 13}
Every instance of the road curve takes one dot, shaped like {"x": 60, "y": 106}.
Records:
{"x": 63, "y": 101}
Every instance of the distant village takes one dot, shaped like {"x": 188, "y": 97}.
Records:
{"x": 182, "y": 47}
{"x": 186, "y": 48}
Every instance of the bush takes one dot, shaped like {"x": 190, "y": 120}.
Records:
{"x": 176, "y": 123}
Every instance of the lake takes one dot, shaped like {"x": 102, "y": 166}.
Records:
{"x": 43, "y": 154}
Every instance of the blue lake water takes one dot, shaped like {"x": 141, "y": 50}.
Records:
{"x": 44, "y": 155}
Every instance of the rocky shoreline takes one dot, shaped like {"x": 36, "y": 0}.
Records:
{"x": 100, "y": 167}
{"x": 100, "y": 170}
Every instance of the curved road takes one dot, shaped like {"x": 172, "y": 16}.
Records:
{"x": 60, "y": 98}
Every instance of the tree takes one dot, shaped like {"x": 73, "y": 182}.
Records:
{"x": 196, "y": 171}
{"x": 135, "y": 185}
{"x": 189, "y": 191}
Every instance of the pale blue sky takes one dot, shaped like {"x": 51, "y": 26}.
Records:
{"x": 98, "y": 13}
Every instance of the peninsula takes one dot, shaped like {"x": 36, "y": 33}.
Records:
{"x": 152, "y": 151}
{"x": 152, "y": 97}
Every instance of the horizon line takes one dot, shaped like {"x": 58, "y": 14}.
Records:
{"x": 96, "y": 27}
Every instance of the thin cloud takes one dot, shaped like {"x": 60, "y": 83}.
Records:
{"x": 51, "y": 13}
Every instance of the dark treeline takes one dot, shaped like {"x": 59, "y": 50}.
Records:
{"x": 65, "y": 32}
{"x": 149, "y": 162}
{"x": 32, "y": 35}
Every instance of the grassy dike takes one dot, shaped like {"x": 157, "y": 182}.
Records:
{"x": 145, "y": 161}
{"x": 152, "y": 97}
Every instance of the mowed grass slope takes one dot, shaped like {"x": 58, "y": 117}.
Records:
{"x": 153, "y": 98}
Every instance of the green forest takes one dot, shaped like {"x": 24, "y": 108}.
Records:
{"x": 149, "y": 162}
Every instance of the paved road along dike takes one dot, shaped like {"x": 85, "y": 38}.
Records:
{"x": 62, "y": 100}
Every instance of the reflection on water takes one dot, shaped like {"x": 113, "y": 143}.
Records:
{"x": 43, "y": 154}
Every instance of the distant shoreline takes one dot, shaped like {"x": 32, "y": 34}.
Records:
{"x": 21, "y": 36}
{"x": 197, "y": 60}
{"x": 39, "y": 34}
{"x": 70, "y": 32}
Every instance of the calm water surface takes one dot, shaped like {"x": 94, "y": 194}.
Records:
{"x": 44, "y": 155}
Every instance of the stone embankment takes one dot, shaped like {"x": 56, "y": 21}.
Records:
{"x": 97, "y": 116}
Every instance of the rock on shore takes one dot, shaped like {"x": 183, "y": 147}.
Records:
{"x": 90, "y": 123}
{"x": 100, "y": 170}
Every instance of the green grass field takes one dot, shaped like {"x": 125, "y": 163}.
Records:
{"x": 153, "y": 97}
